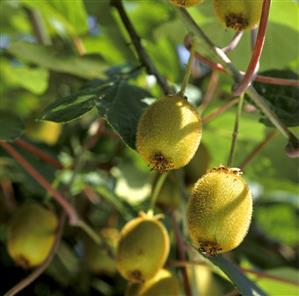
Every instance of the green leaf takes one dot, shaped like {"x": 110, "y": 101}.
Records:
{"x": 74, "y": 106}
{"x": 279, "y": 221}
{"x": 63, "y": 16}
{"x": 288, "y": 285}
{"x": 73, "y": 12}
{"x": 32, "y": 79}
{"x": 11, "y": 127}
{"x": 283, "y": 100}
{"x": 121, "y": 106}
{"x": 244, "y": 284}
{"x": 50, "y": 58}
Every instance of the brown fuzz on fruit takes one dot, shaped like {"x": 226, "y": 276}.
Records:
{"x": 239, "y": 14}
{"x": 219, "y": 211}
{"x": 185, "y": 3}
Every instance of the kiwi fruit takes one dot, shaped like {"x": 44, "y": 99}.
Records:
{"x": 219, "y": 211}
{"x": 162, "y": 284}
{"x": 168, "y": 133}
{"x": 185, "y": 3}
{"x": 142, "y": 249}
{"x": 198, "y": 165}
{"x": 239, "y": 14}
{"x": 31, "y": 235}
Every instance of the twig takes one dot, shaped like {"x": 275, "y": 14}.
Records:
{"x": 39, "y": 153}
{"x": 38, "y": 26}
{"x": 235, "y": 132}
{"x": 230, "y": 68}
{"x": 257, "y": 150}
{"x": 158, "y": 186}
{"x": 79, "y": 45}
{"x": 8, "y": 193}
{"x": 258, "y": 78}
{"x": 234, "y": 42}
{"x": 187, "y": 71}
{"x": 208, "y": 96}
{"x": 39, "y": 270}
{"x": 58, "y": 197}
{"x": 220, "y": 110}
{"x": 182, "y": 263}
{"x": 257, "y": 52}
{"x": 181, "y": 254}
{"x": 142, "y": 54}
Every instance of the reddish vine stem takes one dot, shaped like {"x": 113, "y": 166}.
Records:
{"x": 182, "y": 263}
{"x": 257, "y": 149}
{"x": 208, "y": 96}
{"x": 142, "y": 54}
{"x": 234, "y": 42}
{"x": 58, "y": 197}
{"x": 258, "y": 78}
{"x": 257, "y": 51}
{"x": 8, "y": 193}
{"x": 236, "y": 74}
{"x": 39, "y": 153}
{"x": 39, "y": 270}
{"x": 220, "y": 110}
{"x": 181, "y": 254}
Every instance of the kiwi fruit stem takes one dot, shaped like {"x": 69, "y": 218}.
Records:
{"x": 161, "y": 179}
{"x": 188, "y": 70}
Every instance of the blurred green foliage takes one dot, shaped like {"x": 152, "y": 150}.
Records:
{"x": 87, "y": 68}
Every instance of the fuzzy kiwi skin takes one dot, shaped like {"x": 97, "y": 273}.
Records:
{"x": 31, "y": 235}
{"x": 162, "y": 284}
{"x": 168, "y": 133}
{"x": 198, "y": 165}
{"x": 142, "y": 249}
{"x": 239, "y": 14}
{"x": 219, "y": 211}
{"x": 185, "y": 3}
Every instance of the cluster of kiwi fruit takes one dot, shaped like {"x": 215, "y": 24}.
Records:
{"x": 168, "y": 138}
{"x": 219, "y": 210}
{"x": 236, "y": 14}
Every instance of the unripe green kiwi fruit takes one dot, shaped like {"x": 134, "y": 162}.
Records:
{"x": 219, "y": 211}
{"x": 162, "y": 284}
{"x": 185, "y": 3}
{"x": 96, "y": 258}
{"x": 198, "y": 165}
{"x": 168, "y": 133}
{"x": 170, "y": 196}
{"x": 31, "y": 235}
{"x": 142, "y": 249}
{"x": 239, "y": 14}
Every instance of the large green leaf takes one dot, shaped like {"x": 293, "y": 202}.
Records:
{"x": 284, "y": 281}
{"x": 283, "y": 100}
{"x": 50, "y": 58}
{"x": 244, "y": 284}
{"x": 11, "y": 127}
{"x": 279, "y": 221}
{"x": 74, "y": 106}
{"x": 121, "y": 106}
{"x": 63, "y": 16}
{"x": 32, "y": 79}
